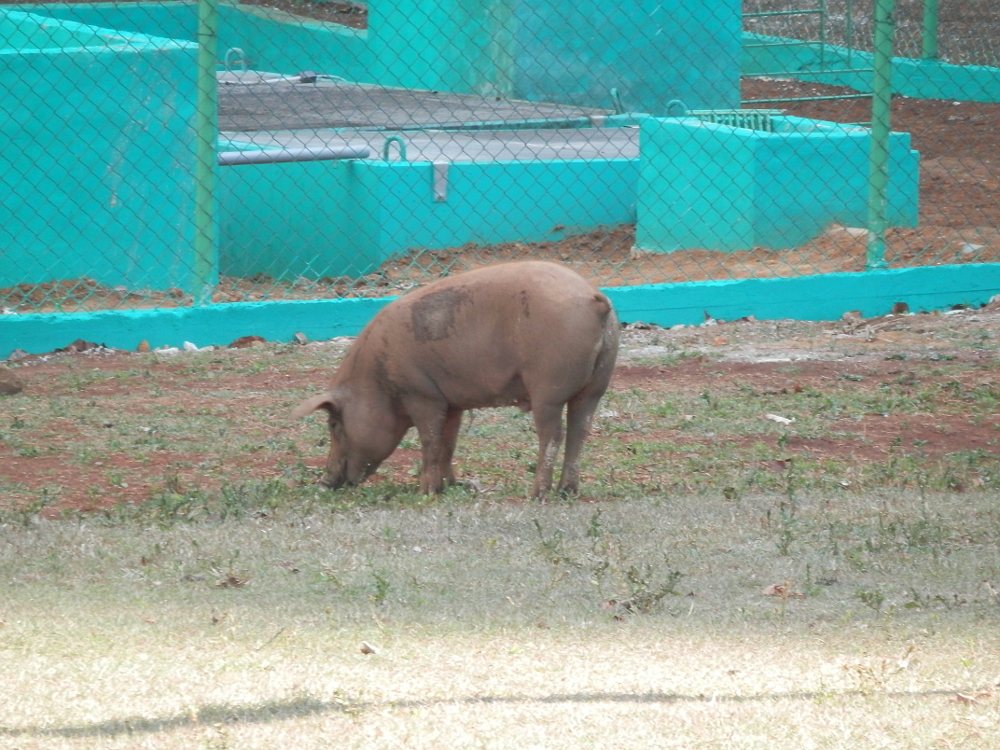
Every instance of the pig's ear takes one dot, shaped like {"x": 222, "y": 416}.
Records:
{"x": 322, "y": 401}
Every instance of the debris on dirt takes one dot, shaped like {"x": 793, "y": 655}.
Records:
{"x": 232, "y": 581}
{"x": 10, "y": 383}
{"x": 17, "y": 354}
{"x": 782, "y": 590}
{"x": 79, "y": 346}
{"x": 301, "y": 339}
{"x": 143, "y": 346}
{"x": 368, "y": 649}
{"x": 779, "y": 419}
{"x": 245, "y": 342}
{"x": 644, "y": 352}
{"x": 852, "y": 321}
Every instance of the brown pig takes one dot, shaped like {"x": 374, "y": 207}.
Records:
{"x": 530, "y": 334}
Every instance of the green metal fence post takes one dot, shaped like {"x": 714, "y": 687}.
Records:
{"x": 849, "y": 32}
{"x": 930, "y": 33}
{"x": 878, "y": 173}
{"x": 205, "y": 266}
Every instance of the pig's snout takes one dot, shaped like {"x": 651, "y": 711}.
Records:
{"x": 335, "y": 475}
{"x": 332, "y": 482}
{"x": 344, "y": 474}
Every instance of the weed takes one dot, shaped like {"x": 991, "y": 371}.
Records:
{"x": 551, "y": 546}
{"x": 380, "y": 585}
{"x": 787, "y": 524}
{"x": 874, "y": 675}
{"x": 27, "y": 514}
{"x": 873, "y": 599}
{"x": 595, "y": 529}
{"x": 646, "y": 586}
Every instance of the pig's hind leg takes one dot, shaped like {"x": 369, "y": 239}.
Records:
{"x": 579, "y": 415}
{"x": 449, "y": 438}
{"x": 548, "y": 425}
{"x": 581, "y": 408}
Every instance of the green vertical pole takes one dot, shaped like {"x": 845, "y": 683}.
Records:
{"x": 822, "y": 34}
{"x": 849, "y": 33}
{"x": 930, "y": 35}
{"x": 878, "y": 171}
{"x": 205, "y": 269}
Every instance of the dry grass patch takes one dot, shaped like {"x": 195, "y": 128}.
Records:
{"x": 855, "y": 622}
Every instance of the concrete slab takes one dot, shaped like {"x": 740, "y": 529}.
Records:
{"x": 255, "y": 101}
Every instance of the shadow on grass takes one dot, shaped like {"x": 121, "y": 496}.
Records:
{"x": 308, "y": 706}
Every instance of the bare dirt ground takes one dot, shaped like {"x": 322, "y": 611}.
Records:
{"x": 98, "y": 428}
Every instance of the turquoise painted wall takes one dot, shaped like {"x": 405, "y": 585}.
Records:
{"x": 463, "y": 46}
{"x": 497, "y": 201}
{"x": 97, "y": 157}
{"x": 921, "y": 79}
{"x": 276, "y": 42}
{"x": 291, "y": 220}
{"x": 567, "y": 51}
{"x": 170, "y": 20}
{"x": 22, "y": 32}
{"x": 715, "y": 187}
{"x": 271, "y": 40}
{"x": 370, "y": 211}
{"x": 651, "y": 51}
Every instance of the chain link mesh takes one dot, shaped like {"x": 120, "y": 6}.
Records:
{"x": 364, "y": 149}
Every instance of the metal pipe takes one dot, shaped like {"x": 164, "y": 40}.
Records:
{"x": 616, "y": 102}
{"x": 778, "y": 100}
{"x": 205, "y": 264}
{"x": 239, "y": 54}
{"x": 929, "y": 46}
{"x": 676, "y": 108}
{"x": 399, "y": 142}
{"x": 285, "y": 155}
{"x": 796, "y": 12}
{"x": 878, "y": 172}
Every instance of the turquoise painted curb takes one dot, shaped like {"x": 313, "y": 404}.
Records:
{"x": 209, "y": 325}
{"x": 821, "y": 297}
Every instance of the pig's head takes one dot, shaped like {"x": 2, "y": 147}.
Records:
{"x": 361, "y": 435}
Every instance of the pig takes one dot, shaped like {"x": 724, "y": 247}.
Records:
{"x": 531, "y": 334}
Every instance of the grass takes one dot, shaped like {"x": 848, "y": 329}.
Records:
{"x": 130, "y": 433}
{"x": 172, "y": 577}
{"x": 501, "y": 625}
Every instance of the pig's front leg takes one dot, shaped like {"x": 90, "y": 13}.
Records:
{"x": 433, "y": 427}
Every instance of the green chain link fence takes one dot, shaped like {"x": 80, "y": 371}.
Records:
{"x": 174, "y": 154}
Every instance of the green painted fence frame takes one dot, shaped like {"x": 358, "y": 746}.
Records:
{"x": 920, "y": 79}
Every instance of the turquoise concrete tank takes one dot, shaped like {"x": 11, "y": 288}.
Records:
{"x": 97, "y": 160}
{"x": 711, "y": 186}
